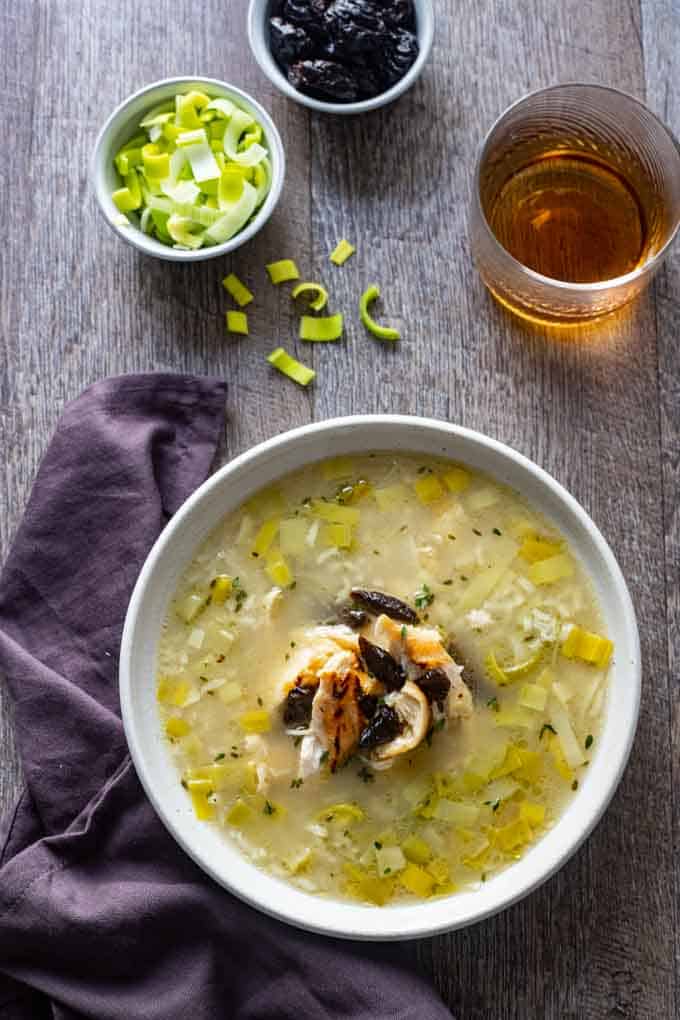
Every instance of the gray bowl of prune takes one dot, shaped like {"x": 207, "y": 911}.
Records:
{"x": 341, "y": 56}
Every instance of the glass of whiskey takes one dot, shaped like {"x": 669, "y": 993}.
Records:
{"x": 576, "y": 200}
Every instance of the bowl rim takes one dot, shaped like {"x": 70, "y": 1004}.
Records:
{"x": 131, "y": 233}
{"x": 257, "y": 11}
{"x": 334, "y": 917}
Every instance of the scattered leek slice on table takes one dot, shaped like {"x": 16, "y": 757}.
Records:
{"x": 196, "y": 174}
{"x": 342, "y": 252}
{"x": 237, "y": 322}
{"x": 381, "y": 332}
{"x": 283, "y": 271}
{"x": 238, "y": 290}
{"x": 288, "y": 366}
{"x": 319, "y": 295}
{"x": 321, "y": 328}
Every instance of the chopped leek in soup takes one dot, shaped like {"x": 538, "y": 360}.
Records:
{"x": 383, "y": 678}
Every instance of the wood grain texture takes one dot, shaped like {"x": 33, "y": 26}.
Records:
{"x": 661, "y": 40}
{"x": 600, "y": 410}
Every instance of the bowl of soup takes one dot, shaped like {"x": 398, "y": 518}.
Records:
{"x": 380, "y": 676}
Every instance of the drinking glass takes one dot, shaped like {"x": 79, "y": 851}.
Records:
{"x": 589, "y": 123}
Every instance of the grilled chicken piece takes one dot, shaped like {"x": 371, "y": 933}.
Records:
{"x": 415, "y": 717}
{"x": 328, "y": 665}
{"x": 337, "y": 720}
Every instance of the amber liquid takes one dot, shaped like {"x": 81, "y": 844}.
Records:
{"x": 570, "y": 218}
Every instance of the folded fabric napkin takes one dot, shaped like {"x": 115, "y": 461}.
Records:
{"x": 101, "y": 914}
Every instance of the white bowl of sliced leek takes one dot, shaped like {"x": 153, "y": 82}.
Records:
{"x": 235, "y": 484}
{"x": 188, "y": 168}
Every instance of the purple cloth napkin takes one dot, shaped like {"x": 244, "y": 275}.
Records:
{"x": 101, "y": 914}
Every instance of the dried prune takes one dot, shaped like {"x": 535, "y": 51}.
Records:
{"x": 435, "y": 685}
{"x": 324, "y": 79}
{"x": 343, "y": 50}
{"x": 398, "y": 13}
{"x": 356, "y": 26}
{"x": 306, "y": 13}
{"x": 383, "y": 666}
{"x": 376, "y": 602}
{"x": 368, "y": 705}
{"x": 383, "y": 727}
{"x": 289, "y": 42}
{"x": 368, "y": 80}
{"x": 399, "y": 54}
{"x": 297, "y": 708}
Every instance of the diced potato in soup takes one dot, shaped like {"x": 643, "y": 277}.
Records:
{"x": 383, "y": 678}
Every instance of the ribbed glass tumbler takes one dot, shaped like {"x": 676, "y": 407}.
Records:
{"x": 576, "y": 200}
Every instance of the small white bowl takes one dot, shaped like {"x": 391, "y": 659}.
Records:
{"x": 258, "y": 36}
{"x": 225, "y": 491}
{"x": 124, "y": 123}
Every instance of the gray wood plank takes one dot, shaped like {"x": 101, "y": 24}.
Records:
{"x": 661, "y": 37}
{"x": 599, "y": 939}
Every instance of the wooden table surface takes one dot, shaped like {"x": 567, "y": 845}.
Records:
{"x": 600, "y": 410}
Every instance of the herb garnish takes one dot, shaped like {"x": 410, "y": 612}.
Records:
{"x": 424, "y": 597}
{"x": 268, "y": 808}
{"x": 240, "y": 595}
{"x": 589, "y": 741}
{"x": 492, "y": 703}
{"x": 476, "y": 532}
{"x": 295, "y": 784}
{"x": 220, "y": 756}
{"x": 366, "y": 775}
{"x": 324, "y": 758}
{"x": 377, "y": 845}
{"x": 497, "y": 531}
{"x": 544, "y": 727}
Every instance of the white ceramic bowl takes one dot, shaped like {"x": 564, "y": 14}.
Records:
{"x": 258, "y": 36}
{"x": 124, "y": 123}
{"x": 224, "y": 492}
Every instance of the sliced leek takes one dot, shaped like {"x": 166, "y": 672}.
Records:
{"x": 240, "y": 293}
{"x": 320, "y": 328}
{"x": 317, "y": 293}
{"x": 205, "y": 158}
{"x": 342, "y": 252}
{"x": 237, "y": 322}
{"x": 282, "y": 271}
{"x": 381, "y": 332}
{"x": 288, "y": 366}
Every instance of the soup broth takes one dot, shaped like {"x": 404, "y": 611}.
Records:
{"x": 383, "y": 678}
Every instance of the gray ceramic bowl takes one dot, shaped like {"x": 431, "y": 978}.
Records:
{"x": 258, "y": 36}
{"x": 123, "y": 124}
